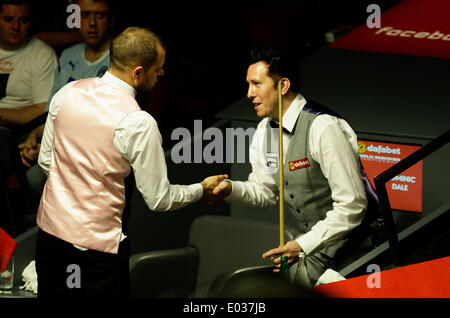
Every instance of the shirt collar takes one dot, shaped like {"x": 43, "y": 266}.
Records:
{"x": 118, "y": 83}
{"x": 291, "y": 115}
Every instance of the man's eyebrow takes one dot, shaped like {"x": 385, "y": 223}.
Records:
{"x": 13, "y": 16}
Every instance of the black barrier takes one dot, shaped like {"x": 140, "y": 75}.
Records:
{"x": 387, "y": 175}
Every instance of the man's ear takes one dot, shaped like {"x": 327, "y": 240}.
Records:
{"x": 285, "y": 85}
{"x": 137, "y": 72}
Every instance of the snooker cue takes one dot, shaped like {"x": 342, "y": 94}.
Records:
{"x": 280, "y": 162}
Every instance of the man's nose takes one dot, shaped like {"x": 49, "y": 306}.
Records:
{"x": 92, "y": 20}
{"x": 250, "y": 93}
{"x": 15, "y": 25}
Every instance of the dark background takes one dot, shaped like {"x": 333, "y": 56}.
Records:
{"x": 208, "y": 44}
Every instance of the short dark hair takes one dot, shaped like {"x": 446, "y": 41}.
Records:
{"x": 134, "y": 46}
{"x": 17, "y": 3}
{"x": 281, "y": 64}
{"x": 112, "y": 5}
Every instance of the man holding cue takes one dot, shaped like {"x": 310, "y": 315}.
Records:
{"x": 324, "y": 184}
{"x": 94, "y": 135}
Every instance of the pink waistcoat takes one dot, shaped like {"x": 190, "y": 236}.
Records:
{"x": 84, "y": 196}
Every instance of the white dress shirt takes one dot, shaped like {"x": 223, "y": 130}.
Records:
{"x": 333, "y": 144}
{"x": 138, "y": 140}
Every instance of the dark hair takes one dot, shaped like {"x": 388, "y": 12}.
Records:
{"x": 281, "y": 64}
{"x": 134, "y": 46}
{"x": 17, "y": 3}
{"x": 112, "y": 5}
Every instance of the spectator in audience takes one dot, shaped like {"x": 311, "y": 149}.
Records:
{"x": 87, "y": 59}
{"x": 26, "y": 66}
{"x": 26, "y": 71}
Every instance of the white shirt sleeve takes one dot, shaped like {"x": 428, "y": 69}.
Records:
{"x": 46, "y": 151}
{"x": 260, "y": 190}
{"x": 333, "y": 145}
{"x": 138, "y": 140}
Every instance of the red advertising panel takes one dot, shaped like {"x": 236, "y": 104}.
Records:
{"x": 404, "y": 190}
{"x": 412, "y": 27}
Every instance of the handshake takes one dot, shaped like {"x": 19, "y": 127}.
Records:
{"x": 215, "y": 188}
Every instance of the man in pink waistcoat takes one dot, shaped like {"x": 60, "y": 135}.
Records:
{"x": 94, "y": 135}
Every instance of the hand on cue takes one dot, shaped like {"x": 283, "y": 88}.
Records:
{"x": 291, "y": 249}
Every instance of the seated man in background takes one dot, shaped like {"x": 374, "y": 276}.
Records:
{"x": 26, "y": 73}
{"x": 26, "y": 66}
{"x": 87, "y": 59}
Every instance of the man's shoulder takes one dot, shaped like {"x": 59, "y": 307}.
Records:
{"x": 38, "y": 44}
{"x": 39, "y": 47}
{"x": 138, "y": 121}
{"x": 61, "y": 93}
{"x": 322, "y": 115}
{"x": 330, "y": 123}
{"x": 67, "y": 86}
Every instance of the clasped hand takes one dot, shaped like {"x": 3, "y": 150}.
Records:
{"x": 29, "y": 150}
{"x": 215, "y": 188}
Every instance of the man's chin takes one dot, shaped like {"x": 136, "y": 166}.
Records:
{"x": 94, "y": 42}
{"x": 16, "y": 43}
{"x": 261, "y": 114}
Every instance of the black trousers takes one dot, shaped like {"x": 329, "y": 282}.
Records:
{"x": 65, "y": 271}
